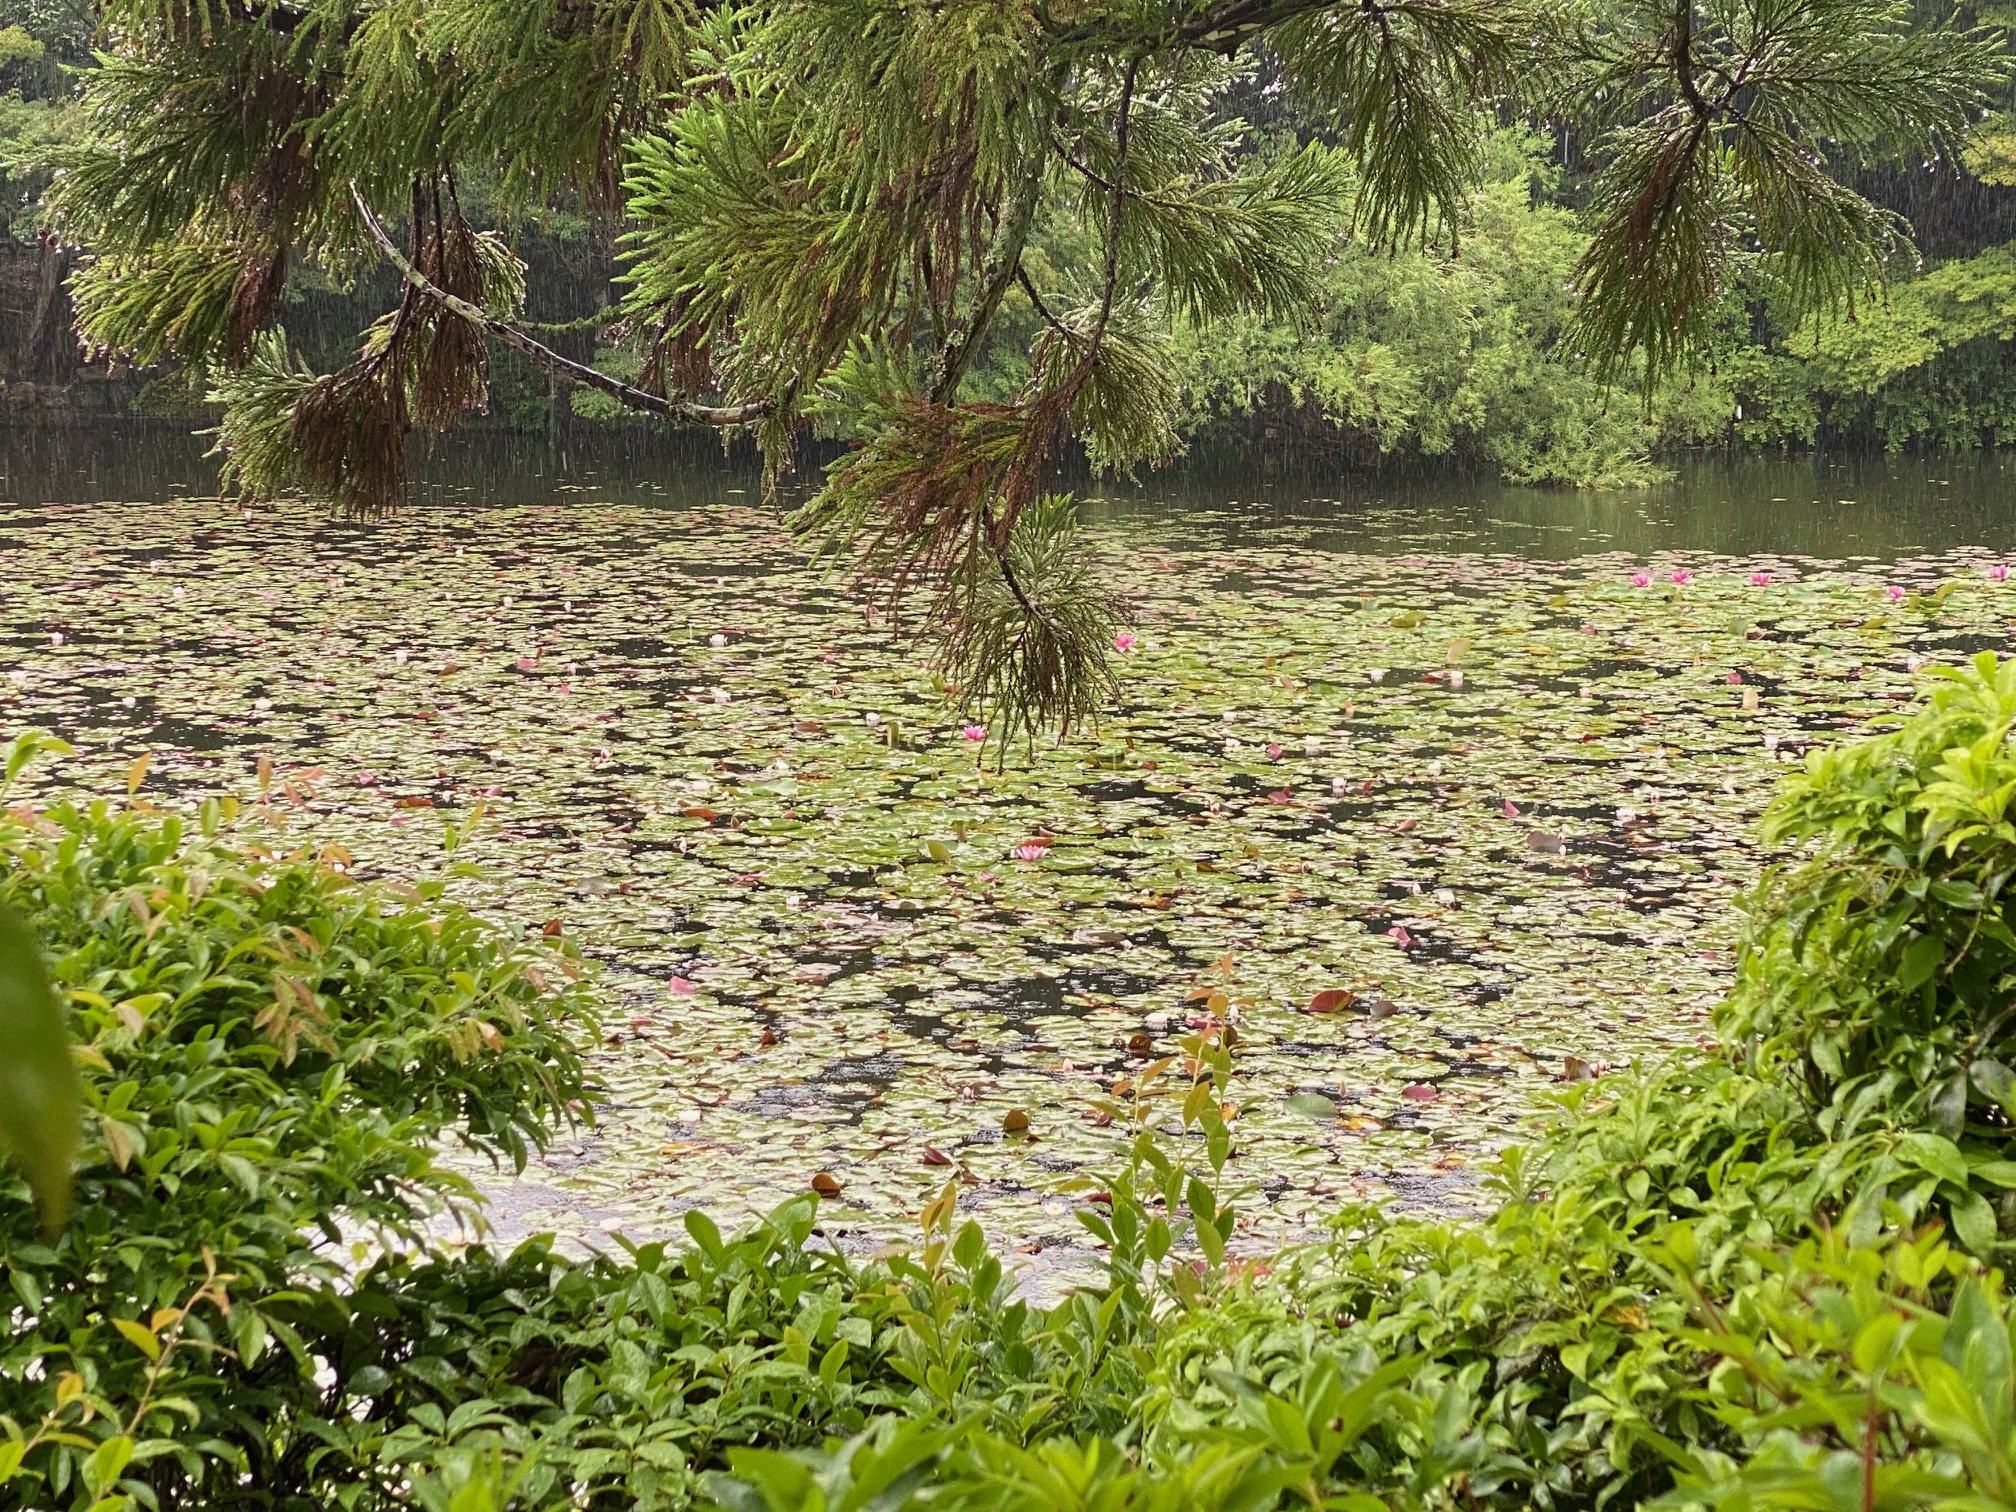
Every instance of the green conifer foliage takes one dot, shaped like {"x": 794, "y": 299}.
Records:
{"x": 825, "y": 207}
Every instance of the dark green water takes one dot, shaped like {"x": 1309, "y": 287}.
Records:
{"x": 1876, "y": 507}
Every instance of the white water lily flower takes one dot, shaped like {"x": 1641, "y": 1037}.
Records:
{"x": 874, "y": 719}
{"x": 717, "y": 639}
{"x": 1377, "y": 674}
{"x": 721, "y": 695}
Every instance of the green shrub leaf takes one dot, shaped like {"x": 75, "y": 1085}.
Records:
{"x": 39, "y": 1102}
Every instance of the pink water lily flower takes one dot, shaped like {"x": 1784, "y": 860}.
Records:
{"x": 681, "y": 987}
{"x": 1123, "y": 642}
{"x": 973, "y": 732}
{"x": 1760, "y": 580}
{"x": 1641, "y": 580}
{"x": 1682, "y": 575}
{"x": 1999, "y": 573}
{"x": 1273, "y": 750}
{"x": 1894, "y": 592}
{"x": 1735, "y": 678}
{"x": 1398, "y": 933}
{"x": 1030, "y": 852}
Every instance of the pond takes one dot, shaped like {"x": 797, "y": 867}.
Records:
{"x": 1428, "y": 744}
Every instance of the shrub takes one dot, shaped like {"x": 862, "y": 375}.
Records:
{"x": 1753, "y": 1277}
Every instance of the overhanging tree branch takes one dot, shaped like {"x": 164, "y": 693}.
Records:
{"x": 623, "y": 393}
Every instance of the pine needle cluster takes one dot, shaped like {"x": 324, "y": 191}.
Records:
{"x": 827, "y": 207}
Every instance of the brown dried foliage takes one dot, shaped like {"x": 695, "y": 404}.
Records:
{"x": 262, "y": 277}
{"x": 351, "y": 426}
{"x": 351, "y": 431}
{"x": 449, "y": 372}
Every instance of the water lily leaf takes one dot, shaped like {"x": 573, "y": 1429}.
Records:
{"x": 1313, "y": 1105}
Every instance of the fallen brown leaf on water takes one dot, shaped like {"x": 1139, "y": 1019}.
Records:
{"x": 826, "y": 1185}
{"x": 933, "y": 1156}
{"x": 1332, "y": 999}
{"x": 1017, "y": 1122}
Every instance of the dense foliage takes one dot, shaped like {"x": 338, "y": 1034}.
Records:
{"x": 827, "y": 210}
{"x": 1755, "y": 1277}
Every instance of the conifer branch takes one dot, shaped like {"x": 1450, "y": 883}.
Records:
{"x": 964, "y": 339}
{"x": 1122, "y": 119}
{"x": 623, "y": 393}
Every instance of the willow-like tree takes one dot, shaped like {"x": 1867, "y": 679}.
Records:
{"x": 826, "y": 206}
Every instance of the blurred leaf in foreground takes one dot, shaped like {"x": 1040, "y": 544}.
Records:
{"x": 38, "y": 1082}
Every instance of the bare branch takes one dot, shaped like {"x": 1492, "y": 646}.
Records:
{"x": 623, "y": 393}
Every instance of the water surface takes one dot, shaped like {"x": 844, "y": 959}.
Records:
{"x": 1427, "y": 743}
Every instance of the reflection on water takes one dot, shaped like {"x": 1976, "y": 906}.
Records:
{"x": 1878, "y": 507}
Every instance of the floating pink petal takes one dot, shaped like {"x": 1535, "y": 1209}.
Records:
{"x": 1734, "y": 679}
{"x": 681, "y": 987}
{"x": 1398, "y": 933}
{"x": 1760, "y": 580}
{"x": 1511, "y": 809}
{"x": 1419, "y": 1093}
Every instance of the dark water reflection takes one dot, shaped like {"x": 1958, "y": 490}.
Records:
{"x": 1879, "y": 507}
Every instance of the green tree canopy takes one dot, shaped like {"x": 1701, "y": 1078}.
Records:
{"x": 825, "y": 207}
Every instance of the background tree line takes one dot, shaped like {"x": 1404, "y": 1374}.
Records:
{"x": 1407, "y": 355}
